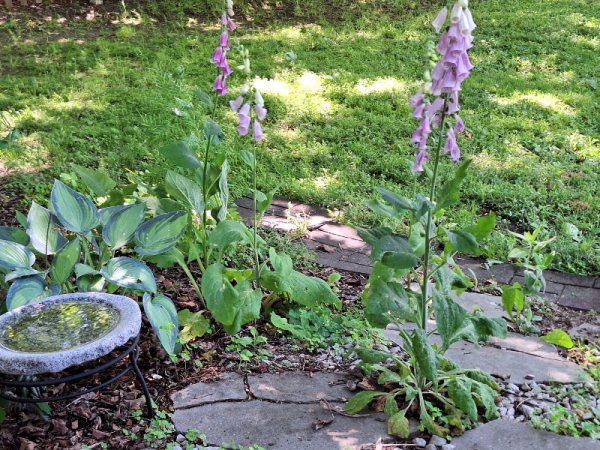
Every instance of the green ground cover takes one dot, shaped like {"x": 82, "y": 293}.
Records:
{"x": 108, "y": 95}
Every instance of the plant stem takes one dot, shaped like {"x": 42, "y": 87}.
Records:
{"x": 428, "y": 237}
{"x": 255, "y": 222}
{"x": 190, "y": 276}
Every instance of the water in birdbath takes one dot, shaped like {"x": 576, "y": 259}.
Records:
{"x": 59, "y": 327}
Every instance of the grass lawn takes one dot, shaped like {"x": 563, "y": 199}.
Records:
{"x": 102, "y": 95}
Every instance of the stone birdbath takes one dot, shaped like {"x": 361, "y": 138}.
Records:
{"x": 64, "y": 331}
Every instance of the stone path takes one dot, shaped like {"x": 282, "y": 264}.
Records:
{"x": 339, "y": 247}
{"x": 297, "y": 410}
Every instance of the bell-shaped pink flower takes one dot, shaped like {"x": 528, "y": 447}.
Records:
{"x": 261, "y": 112}
{"x": 243, "y": 119}
{"x": 440, "y": 19}
{"x": 217, "y": 56}
{"x": 257, "y": 131}
{"x": 459, "y": 125}
{"x": 236, "y": 104}
{"x": 224, "y": 40}
{"x": 220, "y": 85}
{"x": 230, "y": 24}
{"x": 451, "y": 146}
{"x": 422, "y": 158}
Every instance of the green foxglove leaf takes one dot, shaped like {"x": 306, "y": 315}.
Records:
{"x": 378, "y": 207}
{"x": 179, "y": 154}
{"x": 449, "y": 194}
{"x": 186, "y": 191}
{"x": 485, "y": 397}
{"x": 223, "y": 191}
{"x": 311, "y": 291}
{"x": 424, "y": 354}
{"x": 75, "y": 211}
{"x": 204, "y": 98}
{"x": 160, "y": 234}
{"x": 399, "y": 203}
{"x": 488, "y": 326}
{"x": 27, "y": 290}
{"x": 263, "y": 201}
{"x": 98, "y": 182}
{"x": 558, "y": 337}
{"x": 398, "y": 425}
{"x": 463, "y": 242}
{"x": 162, "y": 315}
{"x": 43, "y": 231}
{"x": 226, "y": 233}
{"x": 386, "y": 302}
{"x": 459, "y": 389}
{"x": 512, "y": 297}
{"x": 484, "y": 226}
{"x": 64, "y": 261}
{"x": 391, "y": 405}
{"x": 371, "y": 236}
{"x": 14, "y": 234}
{"x": 450, "y": 317}
{"x": 213, "y": 131}
{"x": 122, "y": 225}
{"x": 15, "y": 256}
{"x": 399, "y": 260}
{"x": 390, "y": 243}
{"x": 129, "y": 273}
{"x": 360, "y": 401}
{"x": 370, "y": 356}
{"x": 248, "y": 158}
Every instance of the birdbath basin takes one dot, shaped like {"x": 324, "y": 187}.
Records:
{"x": 65, "y": 330}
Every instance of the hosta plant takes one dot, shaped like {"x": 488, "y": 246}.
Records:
{"x": 417, "y": 288}
{"x": 74, "y": 246}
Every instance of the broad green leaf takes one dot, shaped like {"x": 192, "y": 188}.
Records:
{"x": 400, "y": 260}
{"x": 360, "y": 401}
{"x": 91, "y": 283}
{"x": 75, "y": 211}
{"x": 388, "y": 376}
{"x": 311, "y": 291}
{"x": 14, "y": 234}
{"x": 204, "y": 98}
{"x": 98, "y": 182}
{"x": 370, "y": 356}
{"x": 398, "y": 425}
{"x": 558, "y": 337}
{"x": 399, "y": 203}
{"x": 463, "y": 242}
{"x": 390, "y": 243}
{"x": 194, "y": 325}
{"x": 82, "y": 270}
{"x": 27, "y": 290}
{"x": 282, "y": 323}
{"x": 488, "y": 326}
{"x": 482, "y": 377}
{"x": 423, "y": 205}
{"x": 518, "y": 253}
{"x": 248, "y": 158}
{"x": 512, "y": 297}
{"x": 247, "y": 307}
{"x": 391, "y": 405}
{"x": 179, "y": 154}
{"x": 263, "y": 201}
{"x": 450, "y": 318}
{"x": 416, "y": 240}
{"x": 484, "y": 226}
{"x": 371, "y": 236}
{"x": 129, "y": 273}
{"x": 43, "y": 231}
{"x": 122, "y": 225}
{"x": 213, "y": 131}
{"x": 15, "y": 256}
{"x": 459, "y": 389}
{"x": 387, "y": 302}
{"x": 64, "y": 261}
{"x": 162, "y": 315}
{"x": 424, "y": 354}
{"x": 378, "y": 207}
{"x": 186, "y": 191}
{"x": 227, "y": 232}
{"x": 160, "y": 234}
{"x": 485, "y": 397}
{"x": 449, "y": 193}
{"x": 281, "y": 263}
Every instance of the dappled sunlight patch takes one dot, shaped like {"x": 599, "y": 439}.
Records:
{"x": 544, "y": 100}
{"x": 378, "y": 86}
{"x": 591, "y": 42}
{"x": 583, "y": 146}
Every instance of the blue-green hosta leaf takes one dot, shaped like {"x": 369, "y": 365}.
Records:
{"x": 20, "y": 273}
{"x": 82, "y": 270}
{"x": 160, "y": 234}
{"x": 179, "y": 154}
{"x": 162, "y": 315}
{"x": 98, "y": 182}
{"x": 43, "y": 231}
{"x": 186, "y": 191}
{"x": 14, "y": 234}
{"x": 424, "y": 354}
{"x": 106, "y": 213}
{"x": 15, "y": 256}
{"x": 91, "y": 283}
{"x": 75, "y": 211}
{"x": 130, "y": 274}
{"x": 122, "y": 225}
{"x": 226, "y": 233}
{"x": 65, "y": 260}
{"x": 28, "y": 290}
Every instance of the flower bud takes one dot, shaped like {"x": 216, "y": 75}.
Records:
{"x": 457, "y": 12}
{"x": 245, "y": 88}
{"x": 427, "y": 75}
{"x": 463, "y": 3}
{"x": 258, "y": 98}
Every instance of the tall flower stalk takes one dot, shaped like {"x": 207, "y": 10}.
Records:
{"x": 436, "y": 107}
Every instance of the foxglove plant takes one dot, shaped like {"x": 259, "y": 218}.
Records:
{"x": 426, "y": 378}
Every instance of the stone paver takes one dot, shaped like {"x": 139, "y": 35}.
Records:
{"x": 230, "y": 387}
{"x": 279, "y": 426}
{"x": 299, "y": 387}
{"x": 580, "y": 298}
{"x": 510, "y": 435}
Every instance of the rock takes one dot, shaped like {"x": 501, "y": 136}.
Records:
{"x": 430, "y": 447}
{"x": 419, "y": 442}
{"x": 230, "y": 387}
{"x": 299, "y": 387}
{"x": 512, "y": 388}
{"x": 448, "y": 447}
{"x": 437, "y": 441}
{"x": 529, "y": 376}
{"x": 527, "y": 411}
